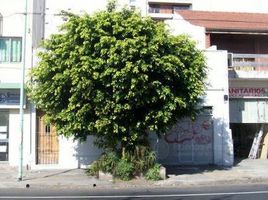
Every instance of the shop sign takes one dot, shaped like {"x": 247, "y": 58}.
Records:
{"x": 10, "y": 97}
{"x": 248, "y": 92}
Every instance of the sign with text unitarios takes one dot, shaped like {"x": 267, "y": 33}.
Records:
{"x": 248, "y": 92}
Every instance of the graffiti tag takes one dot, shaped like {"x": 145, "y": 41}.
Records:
{"x": 193, "y": 131}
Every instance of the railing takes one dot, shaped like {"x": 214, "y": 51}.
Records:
{"x": 248, "y": 62}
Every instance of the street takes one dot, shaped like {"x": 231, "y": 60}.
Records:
{"x": 238, "y": 192}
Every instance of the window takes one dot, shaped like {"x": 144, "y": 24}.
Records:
{"x": 181, "y": 7}
{"x": 168, "y": 8}
{"x": 47, "y": 129}
{"x": 154, "y": 8}
{"x": 10, "y": 49}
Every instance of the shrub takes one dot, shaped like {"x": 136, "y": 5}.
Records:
{"x": 124, "y": 170}
{"x": 106, "y": 163}
{"x": 154, "y": 173}
{"x": 93, "y": 170}
{"x": 142, "y": 157}
{"x": 125, "y": 166}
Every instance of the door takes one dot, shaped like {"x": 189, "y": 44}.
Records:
{"x": 47, "y": 142}
{"x": 4, "y": 135}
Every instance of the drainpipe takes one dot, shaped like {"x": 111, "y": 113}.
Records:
{"x": 20, "y": 169}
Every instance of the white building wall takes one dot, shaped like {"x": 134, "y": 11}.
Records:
{"x": 256, "y": 6}
{"x": 53, "y": 8}
{"x": 12, "y": 27}
{"x": 217, "y": 87}
{"x": 77, "y": 154}
{"x": 179, "y": 26}
{"x": 14, "y": 137}
{"x": 13, "y": 12}
{"x": 217, "y": 97}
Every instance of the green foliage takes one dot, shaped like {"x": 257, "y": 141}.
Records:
{"x": 94, "y": 169}
{"x": 124, "y": 166}
{"x": 111, "y": 6}
{"x": 116, "y": 75}
{"x": 153, "y": 173}
{"x": 142, "y": 157}
{"x": 124, "y": 170}
{"x": 106, "y": 163}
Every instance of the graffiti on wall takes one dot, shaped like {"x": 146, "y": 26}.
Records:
{"x": 198, "y": 132}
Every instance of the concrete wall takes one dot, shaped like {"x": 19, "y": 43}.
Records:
{"x": 256, "y": 6}
{"x": 178, "y": 25}
{"x": 38, "y": 22}
{"x": 217, "y": 89}
{"x": 13, "y": 12}
{"x": 13, "y": 26}
{"x": 14, "y": 137}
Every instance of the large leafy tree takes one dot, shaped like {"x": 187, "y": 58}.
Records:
{"x": 117, "y": 76}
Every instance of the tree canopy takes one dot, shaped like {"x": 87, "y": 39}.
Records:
{"x": 116, "y": 75}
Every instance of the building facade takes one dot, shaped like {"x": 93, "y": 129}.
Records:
{"x": 205, "y": 141}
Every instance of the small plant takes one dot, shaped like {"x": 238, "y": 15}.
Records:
{"x": 108, "y": 162}
{"x": 93, "y": 170}
{"x": 124, "y": 166}
{"x": 142, "y": 157}
{"x": 124, "y": 170}
{"x": 154, "y": 173}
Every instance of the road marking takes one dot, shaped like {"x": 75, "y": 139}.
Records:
{"x": 134, "y": 196}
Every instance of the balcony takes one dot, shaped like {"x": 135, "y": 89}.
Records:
{"x": 164, "y": 11}
{"x": 248, "y": 66}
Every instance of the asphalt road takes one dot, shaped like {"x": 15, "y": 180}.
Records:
{"x": 240, "y": 192}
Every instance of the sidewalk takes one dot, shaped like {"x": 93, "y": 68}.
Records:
{"x": 246, "y": 171}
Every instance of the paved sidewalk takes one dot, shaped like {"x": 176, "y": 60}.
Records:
{"x": 246, "y": 171}
{"x": 243, "y": 172}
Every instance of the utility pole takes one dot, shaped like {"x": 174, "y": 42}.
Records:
{"x": 20, "y": 171}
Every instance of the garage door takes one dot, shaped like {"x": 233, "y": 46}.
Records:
{"x": 188, "y": 142}
{"x": 248, "y": 111}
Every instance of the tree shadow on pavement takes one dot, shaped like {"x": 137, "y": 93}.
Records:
{"x": 196, "y": 169}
